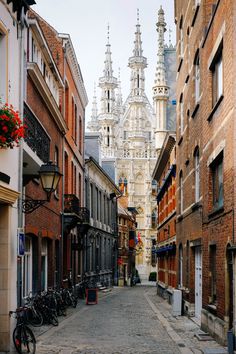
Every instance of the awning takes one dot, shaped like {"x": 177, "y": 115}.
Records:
{"x": 164, "y": 249}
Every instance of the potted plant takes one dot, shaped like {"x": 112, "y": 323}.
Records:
{"x": 11, "y": 127}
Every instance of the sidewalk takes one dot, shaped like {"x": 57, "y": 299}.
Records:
{"x": 182, "y": 329}
{"x": 39, "y": 331}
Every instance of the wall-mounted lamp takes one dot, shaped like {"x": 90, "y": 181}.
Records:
{"x": 49, "y": 176}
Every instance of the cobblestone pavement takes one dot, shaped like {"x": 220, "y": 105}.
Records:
{"x": 125, "y": 321}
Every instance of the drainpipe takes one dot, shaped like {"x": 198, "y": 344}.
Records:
{"x": 22, "y": 87}
{"x": 61, "y": 244}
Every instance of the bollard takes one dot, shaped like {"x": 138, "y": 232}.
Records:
{"x": 230, "y": 339}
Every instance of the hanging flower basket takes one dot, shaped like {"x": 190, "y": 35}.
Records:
{"x": 11, "y": 127}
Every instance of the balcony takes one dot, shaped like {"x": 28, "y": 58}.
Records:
{"x": 73, "y": 213}
{"x": 36, "y": 137}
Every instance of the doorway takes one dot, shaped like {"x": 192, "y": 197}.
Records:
{"x": 198, "y": 282}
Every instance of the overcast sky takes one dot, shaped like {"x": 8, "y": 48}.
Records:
{"x": 86, "y": 21}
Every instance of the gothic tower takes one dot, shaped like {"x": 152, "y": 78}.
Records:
{"x": 108, "y": 117}
{"x": 136, "y": 156}
{"x": 132, "y": 134}
{"x": 160, "y": 89}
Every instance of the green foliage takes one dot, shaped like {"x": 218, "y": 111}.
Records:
{"x": 152, "y": 276}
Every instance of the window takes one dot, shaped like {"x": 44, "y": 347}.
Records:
{"x": 197, "y": 175}
{"x": 123, "y": 185}
{"x": 154, "y": 219}
{"x": 212, "y": 267}
{"x": 154, "y": 187}
{"x": 56, "y": 161}
{"x": 217, "y": 182}
{"x": 80, "y": 187}
{"x": 181, "y": 112}
{"x": 181, "y": 38}
{"x": 181, "y": 193}
{"x": 80, "y": 134}
{"x": 67, "y": 103}
{"x": 197, "y": 76}
{"x": 27, "y": 267}
{"x": 3, "y": 67}
{"x": 217, "y": 76}
{"x": 76, "y": 126}
{"x": 44, "y": 264}
{"x": 180, "y": 266}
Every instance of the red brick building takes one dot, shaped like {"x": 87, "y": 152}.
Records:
{"x": 205, "y": 161}
{"x": 126, "y": 243}
{"x": 46, "y": 128}
{"x": 55, "y": 114}
{"x": 164, "y": 173}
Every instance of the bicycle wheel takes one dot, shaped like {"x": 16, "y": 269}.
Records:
{"x": 74, "y": 301}
{"x": 53, "y": 320}
{"x": 24, "y": 340}
{"x": 34, "y": 317}
{"x": 16, "y": 336}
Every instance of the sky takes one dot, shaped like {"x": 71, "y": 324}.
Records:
{"x": 86, "y": 21}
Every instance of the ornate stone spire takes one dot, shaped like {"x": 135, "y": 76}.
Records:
{"x": 108, "y": 72}
{"x": 160, "y": 89}
{"x": 108, "y": 117}
{"x": 138, "y": 51}
{"x": 93, "y": 125}
{"x": 137, "y": 63}
{"x": 119, "y": 101}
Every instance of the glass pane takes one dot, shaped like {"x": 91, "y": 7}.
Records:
{"x": 219, "y": 78}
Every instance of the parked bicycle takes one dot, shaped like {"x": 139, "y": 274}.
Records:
{"x": 33, "y": 315}
{"x": 23, "y": 338}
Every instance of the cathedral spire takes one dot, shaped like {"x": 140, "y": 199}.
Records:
{"x": 93, "y": 125}
{"x": 160, "y": 89}
{"x": 108, "y": 72}
{"x": 108, "y": 117}
{"x": 137, "y": 63}
{"x": 138, "y": 43}
{"x": 119, "y": 101}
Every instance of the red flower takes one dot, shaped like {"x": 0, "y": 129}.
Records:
{"x": 11, "y": 127}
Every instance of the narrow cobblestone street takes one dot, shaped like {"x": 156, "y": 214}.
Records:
{"x": 125, "y": 320}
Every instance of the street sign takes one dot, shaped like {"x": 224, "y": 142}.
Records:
{"x": 21, "y": 243}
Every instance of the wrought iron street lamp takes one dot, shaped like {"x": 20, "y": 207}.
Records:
{"x": 49, "y": 175}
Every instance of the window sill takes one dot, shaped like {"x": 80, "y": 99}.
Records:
{"x": 196, "y": 206}
{"x": 215, "y": 108}
{"x": 180, "y": 140}
{"x": 180, "y": 64}
{"x": 195, "y": 110}
{"x": 215, "y": 212}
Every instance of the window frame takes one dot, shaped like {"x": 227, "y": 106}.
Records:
{"x": 217, "y": 72}
{"x": 217, "y": 177}
{"x": 197, "y": 174}
{"x": 197, "y": 77}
